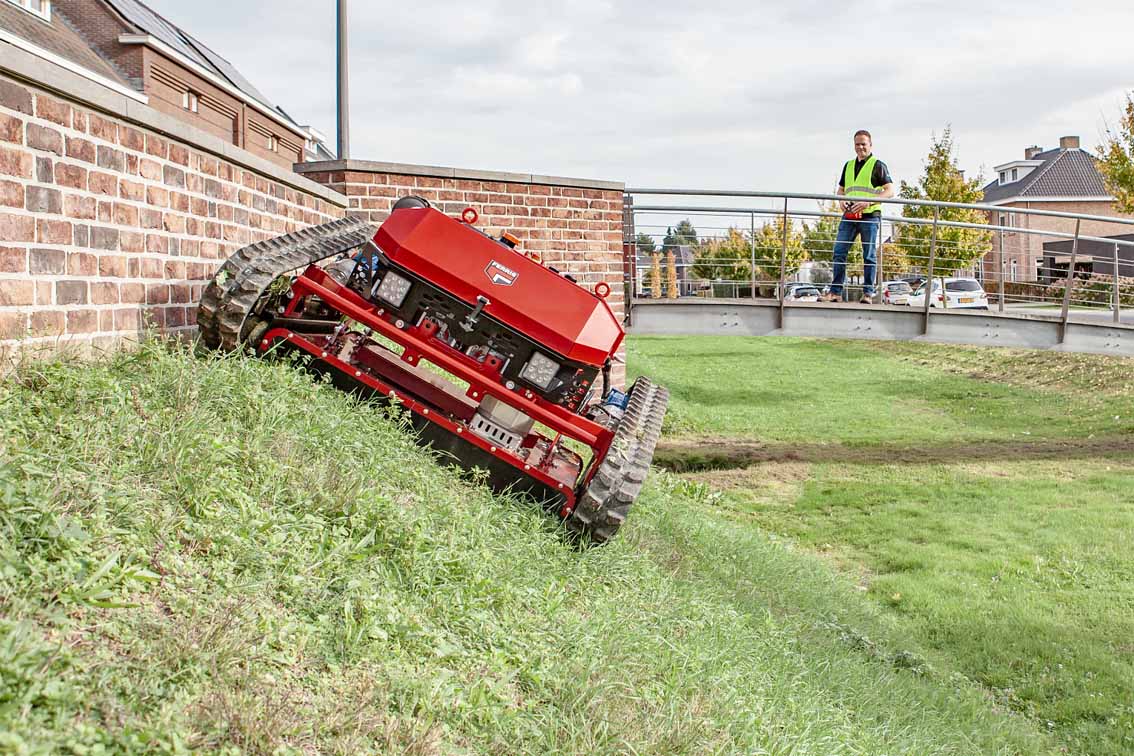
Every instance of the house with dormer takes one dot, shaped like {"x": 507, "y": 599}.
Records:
{"x": 1065, "y": 178}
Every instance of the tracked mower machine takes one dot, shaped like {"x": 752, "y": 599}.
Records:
{"x": 502, "y": 361}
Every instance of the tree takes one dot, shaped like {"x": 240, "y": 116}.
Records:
{"x": 671, "y": 274}
{"x": 655, "y": 276}
{"x": 895, "y": 262}
{"x": 943, "y": 181}
{"x": 724, "y": 259}
{"x": 770, "y": 248}
{"x": 681, "y": 234}
{"x": 645, "y": 243}
{"x": 1117, "y": 162}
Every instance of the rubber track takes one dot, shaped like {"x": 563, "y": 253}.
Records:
{"x": 604, "y": 505}
{"x": 227, "y": 302}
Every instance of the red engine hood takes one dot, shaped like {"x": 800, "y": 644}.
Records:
{"x": 523, "y": 294}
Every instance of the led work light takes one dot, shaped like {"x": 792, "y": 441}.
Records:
{"x": 540, "y": 370}
{"x": 393, "y": 289}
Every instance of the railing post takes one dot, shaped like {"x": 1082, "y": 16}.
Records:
{"x": 929, "y": 277}
{"x": 1000, "y": 307}
{"x": 1070, "y": 284}
{"x": 783, "y": 264}
{"x": 1117, "y": 289}
{"x": 752, "y": 249}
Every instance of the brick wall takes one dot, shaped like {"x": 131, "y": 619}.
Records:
{"x": 106, "y": 223}
{"x": 1027, "y": 249}
{"x": 574, "y": 224}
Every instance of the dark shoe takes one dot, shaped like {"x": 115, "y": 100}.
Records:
{"x": 866, "y": 299}
{"x": 829, "y": 297}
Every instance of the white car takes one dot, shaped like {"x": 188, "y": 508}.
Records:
{"x": 960, "y": 294}
{"x": 801, "y": 293}
{"x": 895, "y": 292}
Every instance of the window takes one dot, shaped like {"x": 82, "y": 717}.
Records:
{"x": 1004, "y": 177}
{"x": 1013, "y": 279}
{"x": 189, "y": 100}
{"x": 1015, "y": 173}
{"x": 41, "y": 8}
{"x": 273, "y": 143}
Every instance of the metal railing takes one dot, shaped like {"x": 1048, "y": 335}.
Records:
{"x": 789, "y": 238}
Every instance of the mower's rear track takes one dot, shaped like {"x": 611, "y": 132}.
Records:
{"x": 228, "y": 301}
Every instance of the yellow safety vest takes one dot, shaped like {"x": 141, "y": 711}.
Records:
{"x": 862, "y": 185}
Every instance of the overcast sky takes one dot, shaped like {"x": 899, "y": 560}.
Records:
{"x": 743, "y": 95}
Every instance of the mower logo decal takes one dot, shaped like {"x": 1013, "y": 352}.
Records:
{"x": 498, "y": 274}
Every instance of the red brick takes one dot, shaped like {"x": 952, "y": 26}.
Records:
{"x": 80, "y": 208}
{"x": 174, "y": 269}
{"x": 174, "y": 223}
{"x": 17, "y": 293}
{"x": 20, "y": 228}
{"x": 106, "y": 320}
{"x": 178, "y": 154}
{"x": 11, "y": 129}
{"x": 15, "y": 97}
{"x": 134, "y": 293}
{"x": 125, "y": 215}
{"x": 13, "y": 260}
{"x": 157, "y": 146}
{"x": 82, "y": 321}
{"x": 103, "y": 183}
{"x": 71, "y": 292}
{"x": 150, "y": 169}
{"x": 53, "y": 110}
{"x": 15, "y": 162}
{"x": 150, "y": 218}
{"x": 103, "y": 128}
{"x": 152, "y": 267}
{"x": 82, "y": 264}
{"x": 53, "y": 231}
{"x": 132, "y": 190}
{"x": 11, "y": 194}
{"x": 112, "y": 266}
{"x": 104, "y": 292}
{"x": 72, "y": 176}
{"x": 126, "y": 319}
{"x": 47, "y": 323}
{"x": 157, "y": 196}
{"x": 182, "y": 293}
{"x": 105, "y": 211}
{"x": 157, "y": 293}
{"x": 131, "y": 139}
{"x": 81, "y": 149}
{"x": 79, "y": 120}
{"x": 132, "y": 241}
{"x": 13, "y": 325}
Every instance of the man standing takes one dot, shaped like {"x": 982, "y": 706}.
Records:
{"x": 867, "y": 177}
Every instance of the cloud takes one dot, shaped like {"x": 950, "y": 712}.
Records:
{"x": 728, "y": 94}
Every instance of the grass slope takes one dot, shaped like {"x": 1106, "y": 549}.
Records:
{"x": 983, "y": 499}
{"x": 220, "y": 555}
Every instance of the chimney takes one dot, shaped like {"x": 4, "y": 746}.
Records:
{"x": 1031, "y": 152}
{"x": 1069, "y": 143}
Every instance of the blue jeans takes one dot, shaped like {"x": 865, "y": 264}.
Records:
{"x": 869, "y": 229}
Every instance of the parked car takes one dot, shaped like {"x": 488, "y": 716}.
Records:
{"x": 960, "y": 293}
{"x": 895, "y": 292}
{"x": 801, "y": 293}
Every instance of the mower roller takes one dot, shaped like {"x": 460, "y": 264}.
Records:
{"x": 497, "y": 357}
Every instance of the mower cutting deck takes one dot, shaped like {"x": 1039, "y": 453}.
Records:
{"x": 497, "y": 357}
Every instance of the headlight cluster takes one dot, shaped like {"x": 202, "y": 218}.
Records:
{"x": 393, "y": 289}
{"x": 540, "y": 370}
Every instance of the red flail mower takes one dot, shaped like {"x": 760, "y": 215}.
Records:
{"x": 499, "y": 359}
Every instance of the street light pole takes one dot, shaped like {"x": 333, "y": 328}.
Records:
{"x": 343, "y": 84}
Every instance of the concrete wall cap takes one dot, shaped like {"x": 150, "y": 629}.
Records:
{"x": 406, "y": 169}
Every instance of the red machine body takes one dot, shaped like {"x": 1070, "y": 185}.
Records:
{"x": 522, "y": 293}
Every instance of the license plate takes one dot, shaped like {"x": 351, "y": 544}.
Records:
{"x": 966, "y": 300}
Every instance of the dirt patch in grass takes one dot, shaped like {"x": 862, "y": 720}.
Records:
{"x": 699, "y": 454}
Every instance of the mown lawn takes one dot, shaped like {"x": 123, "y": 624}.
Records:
{"x": 982, "y": 499}
{"x": 219, "y": 555}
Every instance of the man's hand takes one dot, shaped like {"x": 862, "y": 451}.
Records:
{"x": 857, "y": 207}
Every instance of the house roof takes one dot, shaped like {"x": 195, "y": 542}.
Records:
{"x": 145, "y": 21}
{"x": 1063, "y": 173}
{"x": 57, "y": 37}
